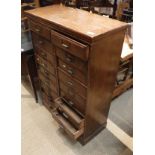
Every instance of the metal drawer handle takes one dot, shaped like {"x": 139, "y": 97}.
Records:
{"x": 64, "y": 45}
{"x": 70, "y": 83}
{"x": 40, "y": 42}
{"x": 66, "y": 116}
{"x": 43, "y": 65}
{"x": 43, "y": 54}
{"x": 64, "y": 66}
{"x": 68, "y": 59}
{"x": 70, "y": 71}
{"x": 37, "y": 30}
{"x": 61, "y": 126}
{"x": 71, "y": 103}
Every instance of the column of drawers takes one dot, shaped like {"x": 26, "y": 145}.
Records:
{"x": 46, "y": 63}
{"x": 62, "y": 71}
{"x": 72, "y": 57}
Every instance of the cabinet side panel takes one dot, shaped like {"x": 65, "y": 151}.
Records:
{"x": 102, "y": 70}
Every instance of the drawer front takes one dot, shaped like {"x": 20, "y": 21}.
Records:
{"x": 50, "y": 80}
{"x": 72, "y": 60}
{"x": 40, "y": 29}
{"x": 76, "y": 102}
{"x": 44, "y": 72}
{"x": 42, "y": 43}
{"x": 73, "y": 47}
{"x": 47, "y": 101}
{"x": 45, "y": 55}
{"x": 43, "y": 63}
{"x": 75, "y": 73}
{"x": 48, "y": 85}
{"x": 67, "y": 126}
{"x": 69, "y": 113}
{"x": 72, "y": 84}
{"x": 49, "y": 92}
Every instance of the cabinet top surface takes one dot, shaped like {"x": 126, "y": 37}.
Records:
{"x": 79, "y": 21}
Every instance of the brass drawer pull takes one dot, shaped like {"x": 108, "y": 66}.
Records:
{"x": 64, "y": 45}
{"x": 64, "y": 66}
{"x": 68, "y": 59}
{"x": 66, "y": 116}
{"x": 37, "y": 30}
{"x": 40, "y": 42}
{"x": 71, "y": 103}
{"x": 43, "y": 54}
{"x": 70, "y": 83}
{"x": 70, "y": 71}
{"x": 43, "y": 64}
{"x": 46, "y": 72}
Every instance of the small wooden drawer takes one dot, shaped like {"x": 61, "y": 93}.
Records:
{"x": 42, "y": 43}
{"x": 46, "y": 65}
{"x": 76, "y": 102}
{"x": 72, "y": 60}
{"x": 82, "y": 77}
{"x": 40, "y": 29}
{"x": 51, "y": 79}
{"x": 69, "y": 113}
{"x": 44, "y": 72}
{"x": 49, "y": 92}
{"x": 73, "y": 47}
{"x": 47, "y": 101}
{"x": 72, "y": 83}
{"x": 48, "y": 85}
{"x": 67, "y": 126}
{"x": 45, "y": 55}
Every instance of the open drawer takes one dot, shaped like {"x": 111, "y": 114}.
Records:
{"x": 69, "y": 113}
{"x": 66, "y": 125}
{"x": 68, "y": 119}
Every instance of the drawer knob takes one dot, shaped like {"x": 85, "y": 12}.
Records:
{"x": 37, "y": 30}
{"x": 70, "y": 83}
{"x": 66, "y": 116}
{"x": 43, "y": 54}
{"x": 65, "y": 46}
{"x": 68, "y": 59}
{"x": 46, "y": 72}
{"x": 64, "y": 66}
{"x": 71, "y": 103}
{"x": 43, "y": 65}
{"x": 70, "y": 71}
{"x": 40, "y": 42}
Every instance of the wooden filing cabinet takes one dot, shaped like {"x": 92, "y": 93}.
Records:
{"x": 77, "y": 56}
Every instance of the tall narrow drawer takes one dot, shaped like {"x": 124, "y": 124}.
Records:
{"x": 42, "y": 43}
{"x": 72, "y": 46}
{"x": 67, "y": 126}
{"x": 40, "y": 29}
{"x": 82, "y": 77}
{"x": 46, "y": 65}
{"x": 72, "y": 83}
{"x": 71, "y": 60}
{"x": 69, "y": 113}
{"x": 45, "y": 55}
